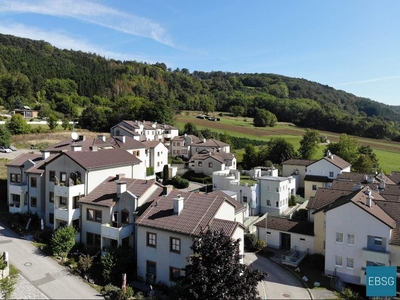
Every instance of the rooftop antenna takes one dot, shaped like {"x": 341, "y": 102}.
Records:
{"x": 74, "y": 135}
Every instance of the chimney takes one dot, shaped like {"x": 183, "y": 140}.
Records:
{"x": 122, "y": 139}
{"x": 45, "y": 155}
{"x": 102, "y": 137}
{"x": 119, "y": 176}
{"x": 178, "y": 204}
{"x": 75, "y": 148}
{"x": 369, "y": 201}
{"x": 204, "y": 140}
{"x": 382, "y": 185}
{"x": 121, "y": 187}
{"x": 93, "y": 148}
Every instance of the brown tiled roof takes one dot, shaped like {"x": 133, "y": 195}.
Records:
{"x": 346, "y": 185}
{"x": 288, "y": 225}
{"x": 198, "y": 213}
{"x": 298, "y": 162}
{"x": 21, "y": 159}
{"x": 393, "y": 210}
{"x": 210, "y": 143}
{"x": 395, "y": 177}
{"x": 102, "y": 159}
{"x": 228, "y": 227}
{"x": 151, "y": 144}
{"x": 393, "y": 190}
{"x": 105, "y": 194}
{"x": 359, "y": 198}
{"x": 39, "y": 167}
{"x": 219, "y": 156}
{"x": 317, "y": 178}
{"x": 86, "y": 144}
{"x": 365, "y": 178}
{"x": 238, "y": 206}
{"x": 130, "y": 143}
{"x": 125, "y": 128}
{"x": 337, "y": 161}
{"x": 325, "y": 196}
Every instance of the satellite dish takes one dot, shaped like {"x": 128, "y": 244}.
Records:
{"x": 74, "y": 135}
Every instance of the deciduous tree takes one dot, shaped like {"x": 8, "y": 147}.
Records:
{"x": 62, "y": 241}
{"x": 18, "y": 125}
{"x": 309, "y": 144}
{"x": 215, "y": 271}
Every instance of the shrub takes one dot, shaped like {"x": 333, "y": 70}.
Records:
{"x": 179, "y": 182}
{"x": 250, "y": 241}
{"x": 110, "y": 291}
{"x": 260, "y": 244}
{"x": 62, "y": 241}
{"x": 85, "y": 262}
{"x": 292, "y": 200}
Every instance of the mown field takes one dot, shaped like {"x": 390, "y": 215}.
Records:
{"x": 388, "y": 152}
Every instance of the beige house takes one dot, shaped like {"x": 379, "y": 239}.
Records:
{"x": 166, "y": 228}
{"x": 207, "y": 162}
{"x": 180, "y": 145}
{"x": 298, "y": 169}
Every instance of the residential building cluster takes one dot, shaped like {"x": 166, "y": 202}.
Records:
{"x": 103, "y": 188}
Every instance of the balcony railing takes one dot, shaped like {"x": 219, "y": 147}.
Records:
{"x": 116, "y": 233}
{"x": 293, "y": 257}
{"x": 382, "y": 257}
{"x": 363, "y": 276}
{"x": 69, "y": 191}
{"x": 62, "y": 213}
{"x": 17, "y": 189}
{"x": 16, "y": 208}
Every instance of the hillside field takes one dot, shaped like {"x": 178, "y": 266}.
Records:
{"x": 388, "y": 152}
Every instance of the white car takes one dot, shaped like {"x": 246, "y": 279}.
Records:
{"x": 5, "y": 149}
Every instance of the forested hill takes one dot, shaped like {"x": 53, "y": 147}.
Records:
{"x": 101, "y": 92}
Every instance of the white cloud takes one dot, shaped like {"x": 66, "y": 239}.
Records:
{"x": 62, "y": 40}
{"x": 92, "y": 13}
{"x": 367, "y": 80}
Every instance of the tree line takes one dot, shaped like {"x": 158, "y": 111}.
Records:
{"x": 100, "y": 92}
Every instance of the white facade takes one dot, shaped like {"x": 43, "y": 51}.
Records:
{"x": 157, "y": 157}
{"x": 273, "y": 194}
{"x": 325, "y": 168}
{"x": 351, "y": 234}
{"x": 209, "y": 146}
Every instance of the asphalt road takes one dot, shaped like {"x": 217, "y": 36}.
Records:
{"x": 281, "y": 284}
{"x": 41, "y": 273}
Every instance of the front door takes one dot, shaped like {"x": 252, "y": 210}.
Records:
{"x": 285, "y": 241}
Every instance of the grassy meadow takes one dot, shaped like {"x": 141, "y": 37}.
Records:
{"x": 388, "y": 152}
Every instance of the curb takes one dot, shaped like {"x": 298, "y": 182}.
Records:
{"x": 294, "y": 273}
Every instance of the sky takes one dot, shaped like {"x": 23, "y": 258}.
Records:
{"x": 349, "y": 45}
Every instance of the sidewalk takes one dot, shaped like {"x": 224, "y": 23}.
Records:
{"x": 25, "y": 290}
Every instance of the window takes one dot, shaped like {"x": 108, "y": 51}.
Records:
{"x": 15, "y": 178}
{"x": 314, "y": 187}
{"x": 277, "y": 190}
{"x": 151, "y": 239}
{"x": 93, "y": 215}
{"x": 33, "y": 201}
{"x": 16, "y": 198}
{"x": 210, "y": 164}
{"x": 351, "y": 239}
{"x": 175, "y": 245}
{"x": 277, "y": 204}
{"x": 303, "y": 240}
{"x": 51, "y": 218}
{"x": 200, "y": 163}
{"x": 63, "y": 177}
{"x": 75, "y": 203}
{"x": 350, "y": 263}
{"x": 268, "y": 232}
{"x": 93, "y": 239}
{"x": 151, "y": 269}
{"x": 339, "y": 237}
{"x": 33, "y": 182}
{"x": 268, "y": 202}
{"x": 268, "y": 189}
{"x": 51, "y": 197}
{"x": 331, "y": 174}
{"x": 52, "y": 176}
{"x": 124, "y": 217}
{"x": 338, "y": 261}
{"x": 63, "y": 200}
{"x": 245, "y": 199}
{"x": 174, "y": 273}
{"x": 378, "y": 241}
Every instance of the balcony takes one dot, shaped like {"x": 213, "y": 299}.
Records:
{"x": 116, "y": 233}
{"x": 62, "y": 213}
{"x": 17, "y": 189}
{"x": 16, "y": 208}
{"x": 376, "y": 256}
{"x": 363, "y": 276}
{"x": 69, "y": 191}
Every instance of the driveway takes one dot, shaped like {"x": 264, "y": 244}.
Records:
{"x": 42, "y": 277}
{"x": 281, "y": 284}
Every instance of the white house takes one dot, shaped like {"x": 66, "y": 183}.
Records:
{"x": 210, "y": 145}
{"x": 207, "y": 162}
{"x": 321, "y": 173}
{"x": 166, "y": 228}
{"x": 109, "y": 211}
{"x": 358, "y": 233}
{"x": 74, "y": 174}
{"x": 273, "y": 194}
{"x": 282, "y": 233}
{"x": 156, "y": 155}
{"x": 180, "y": 145}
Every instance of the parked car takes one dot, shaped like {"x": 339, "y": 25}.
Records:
{"x": 5, "y": 149}
{"x": 13, "y": 148}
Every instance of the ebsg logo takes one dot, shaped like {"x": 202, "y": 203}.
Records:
{"x": 381, "y": 281}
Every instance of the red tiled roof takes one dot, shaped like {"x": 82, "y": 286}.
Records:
{"x": 102, "y": 159}
{"x": 198, "y": 213}
{"x": 288, "y": 225}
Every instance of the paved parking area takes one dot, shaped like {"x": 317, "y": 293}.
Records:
{"x": 15, "y": 154}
